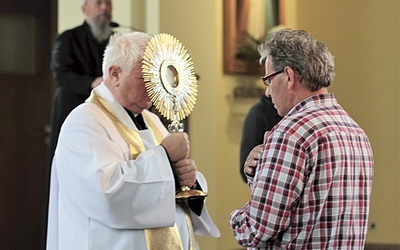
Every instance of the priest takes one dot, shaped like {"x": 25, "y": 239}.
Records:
{"x": 116, "y": 168}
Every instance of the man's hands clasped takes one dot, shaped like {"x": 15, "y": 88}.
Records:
{"x": 252, "y": 160}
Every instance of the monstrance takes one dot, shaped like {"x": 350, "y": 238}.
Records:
{"x": 172, "y": 86}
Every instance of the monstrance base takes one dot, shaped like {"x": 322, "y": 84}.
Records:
{"x": 187, "y": 193}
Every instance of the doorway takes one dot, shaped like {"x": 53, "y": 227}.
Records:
{"x": 27, "y": 31}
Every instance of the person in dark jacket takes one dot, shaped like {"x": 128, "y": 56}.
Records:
{"x": 261, "y": 117}
{"x": 77, "y": 57}
{"x": 77, "y": 61}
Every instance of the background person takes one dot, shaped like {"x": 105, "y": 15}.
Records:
{"x": 261, "y": 117}
{"x": 311, "y": 188}
{"x": 116, "y": 169}
{"x": 76, "y": 63}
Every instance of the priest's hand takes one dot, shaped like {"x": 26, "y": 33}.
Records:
{"x": 96, "y": 82}
{"x": 177, "y": 146}
{"x": 185, "y": 170}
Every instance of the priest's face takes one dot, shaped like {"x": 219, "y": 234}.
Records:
{"x": 131, "y": 92}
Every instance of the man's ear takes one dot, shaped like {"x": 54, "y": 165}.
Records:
{"x": 115, "y": 73}
{"x": 290, "y": 74}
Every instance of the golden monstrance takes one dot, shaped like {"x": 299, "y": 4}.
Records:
{"x": 172, "y": 86}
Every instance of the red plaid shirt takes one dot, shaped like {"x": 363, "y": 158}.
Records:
{"x": 312, "y": 185}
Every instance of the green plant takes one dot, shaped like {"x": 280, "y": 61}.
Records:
{"x": 248, "y": 48}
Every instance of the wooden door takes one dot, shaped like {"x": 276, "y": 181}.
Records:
{"x": 27, "y": 30}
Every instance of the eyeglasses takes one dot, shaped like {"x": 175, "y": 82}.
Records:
{"x": 267, "y": 78}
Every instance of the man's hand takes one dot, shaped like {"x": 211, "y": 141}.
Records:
{"x": 96, "y": 82}
{"x": 177, "y": 146}
{"x": 252, "y": 160}
{"x": 186, "y": 172}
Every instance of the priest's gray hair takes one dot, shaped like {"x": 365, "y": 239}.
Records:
{"x": 299, "y": 50}
{"x": 125, "y": 51}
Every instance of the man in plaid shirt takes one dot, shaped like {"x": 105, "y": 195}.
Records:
{"x": 311, "y": 180}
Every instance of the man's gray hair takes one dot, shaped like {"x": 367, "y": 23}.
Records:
{"x": 125, "y": 51}
{"x": 299, "y": 50}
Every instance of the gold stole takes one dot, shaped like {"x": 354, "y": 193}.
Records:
{"x": 156, "y": 238}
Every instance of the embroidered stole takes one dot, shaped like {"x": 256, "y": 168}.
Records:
{"x": 156, "y": 238}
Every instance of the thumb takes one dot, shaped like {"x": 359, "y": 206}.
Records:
{"x": 266, "y": 134}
